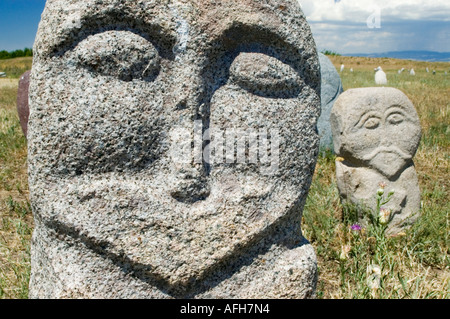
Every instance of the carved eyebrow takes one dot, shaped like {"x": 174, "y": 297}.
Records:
{"x": 106, "y": 21}
{"x": 241, "y": 33}
{"x": 242, "y": 37}
{"x": 397, "y": 109}
{"x": 365, "y": 116}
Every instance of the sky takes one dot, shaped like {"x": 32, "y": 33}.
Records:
{"x": 19, "y": 21}
{"x": 378, "y": 26}
{"x": 342, "y": 26}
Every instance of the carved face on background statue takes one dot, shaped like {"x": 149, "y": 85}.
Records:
{"x": 112, "y": 86}
{"x": 378, "y": 128}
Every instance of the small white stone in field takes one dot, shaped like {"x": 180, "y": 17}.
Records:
{"x": 380, "y": 76}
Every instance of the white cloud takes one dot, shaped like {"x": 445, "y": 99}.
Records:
{"x": 357, "y": 11}
{"x": 404, "y": 25}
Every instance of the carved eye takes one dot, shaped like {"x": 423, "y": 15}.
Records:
{"x": 395, "y": 118}
{"x": 265, "y": 76}
{"x": 372, "y": 123}
{"x": 121, "y": 54}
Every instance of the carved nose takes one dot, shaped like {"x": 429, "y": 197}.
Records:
{"x": 188, "y": 91}
{"x": 189, "y": 182}
{"x": 190, "y": 185}
{"x": 386, "y": 140}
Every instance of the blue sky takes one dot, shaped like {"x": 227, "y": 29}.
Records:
{"x": 19, "y": 20}
{"x": 340, "y": 26}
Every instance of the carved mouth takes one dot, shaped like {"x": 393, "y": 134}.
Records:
{"x": 389, "y": 162}
{"x": 383, "y": 149}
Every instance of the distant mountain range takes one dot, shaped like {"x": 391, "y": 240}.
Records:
{"x": 428, "y": 56}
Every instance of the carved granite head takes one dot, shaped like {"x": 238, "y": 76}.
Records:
{"x": 119, "y": 87}
{"x": 377, "y": 128}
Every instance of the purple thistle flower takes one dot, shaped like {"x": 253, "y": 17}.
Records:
{"x": 356, "y": 227}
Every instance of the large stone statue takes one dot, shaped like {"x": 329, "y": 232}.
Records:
{"x": 131, "y": 195}
{"x": 377, "y": 132}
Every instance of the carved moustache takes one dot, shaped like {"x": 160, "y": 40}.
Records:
{"x": 387, "y": 149}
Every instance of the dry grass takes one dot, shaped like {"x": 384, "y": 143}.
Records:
{"x": 14, "y": 68}
{"x": 15, "y": 215}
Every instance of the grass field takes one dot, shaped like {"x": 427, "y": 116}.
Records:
{"x": 363, "y": 264}
{"x": 16, "y": 221}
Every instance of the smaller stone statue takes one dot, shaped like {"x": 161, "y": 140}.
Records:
{"x": 22, "y": 101}
{"x": 376, "y": 133}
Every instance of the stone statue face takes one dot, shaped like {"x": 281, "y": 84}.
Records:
{"x": 379, "y": 127}
{"x": 117, "y": 89}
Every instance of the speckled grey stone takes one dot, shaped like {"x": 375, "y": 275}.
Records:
{"x": 114, "y": 86}
{"x": 377, "y": 132}
{"x": 331, "y": 88}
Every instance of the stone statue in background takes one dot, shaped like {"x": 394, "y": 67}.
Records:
{"x": 331, "y": 88}
{"x": 22, "y": 101}
{"x": 118, "y": 89}
{"x": 377, "y": 132}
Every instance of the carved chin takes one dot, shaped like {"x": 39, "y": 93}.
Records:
{"x": 388, "y": 163}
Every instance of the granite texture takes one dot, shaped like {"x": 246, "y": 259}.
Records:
{"x": 376, "y": 133}
{"x": 331, "y": 88}
{"x": 116, "y": 90}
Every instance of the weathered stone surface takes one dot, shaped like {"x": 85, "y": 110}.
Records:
{"x": 331, "y": 88}
{"x": 115, "y": 87}
{"x": 377, "y": 132}
{"x": 22, "y": 101}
